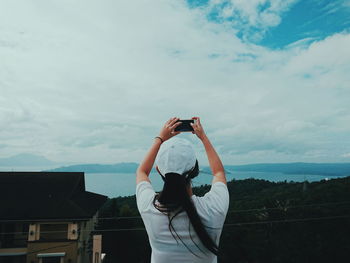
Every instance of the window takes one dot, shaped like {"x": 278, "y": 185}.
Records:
{"x": 7, "y": 236}
{"x": 51, "y": 260}
{"x": 51, "y": 257}
{"x": 53, "y": 231}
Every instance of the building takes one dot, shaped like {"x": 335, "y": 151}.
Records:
{"x": 48, "y": 217}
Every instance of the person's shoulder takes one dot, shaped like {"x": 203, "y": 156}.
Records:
{"x": 216, "y": 200}
{"x": 219, "y": 190}
{"x": 142, "y": 185}
{"x": 144, "y": 195}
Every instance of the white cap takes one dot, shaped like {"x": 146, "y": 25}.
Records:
{"x": 175, "y": 155}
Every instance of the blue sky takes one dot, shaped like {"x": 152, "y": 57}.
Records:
{"x": 92, "y": 82}
{"x": 307, "y": 19}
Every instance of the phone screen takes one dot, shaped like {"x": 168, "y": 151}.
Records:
{"x": 185, "y": 126}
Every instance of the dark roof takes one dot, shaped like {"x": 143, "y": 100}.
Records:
{"x": 46, "y": 195}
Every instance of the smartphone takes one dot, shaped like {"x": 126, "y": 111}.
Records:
{"x": 185, "y": 126}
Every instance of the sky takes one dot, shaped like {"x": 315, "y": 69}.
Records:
{"x": 93, "y": 81}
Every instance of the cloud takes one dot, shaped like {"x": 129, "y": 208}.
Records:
{"x": 91, "y": 82}
{"x": 251, "y": 18}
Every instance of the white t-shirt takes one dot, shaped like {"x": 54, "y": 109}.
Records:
{"x": 212, "y": 209}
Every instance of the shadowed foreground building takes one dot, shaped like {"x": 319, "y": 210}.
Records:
{"x": 48, "y": 217}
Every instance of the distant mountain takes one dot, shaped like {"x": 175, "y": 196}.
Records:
{"x": 99, "y": 168}
{"x": 328, "y": 169}
{"x": 25, "y": 159}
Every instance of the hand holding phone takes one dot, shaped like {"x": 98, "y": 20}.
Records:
{"x": 185, "y": 126}
{"x": 198, "y": 129}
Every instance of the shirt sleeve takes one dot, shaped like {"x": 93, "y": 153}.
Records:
{"x": 215, "y": 203}
{"x": 144, "y": 195}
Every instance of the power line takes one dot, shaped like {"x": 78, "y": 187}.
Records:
{"x": 45, "y": 220}
{"x": 45, "y": 249}
{"x": 57, "y": 240}
{"x": 287, "y": 207}
{"x": 253, "y": 223}
{"x": 249, "y": 223}
{"x": 225, "y": 225}
{"x": 139, "y": 217}
{"x": 288, "y": 220}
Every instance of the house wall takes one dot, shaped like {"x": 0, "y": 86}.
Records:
{"x": 13, "y": 250}
{"x": 85, "y": 241}
{"x": 68, "y": 244}
{"x": 69, "y": 247}
{"x": 78, "y": 246}
{"x": 78, "y": 243}
{"x": 13, "y": 235}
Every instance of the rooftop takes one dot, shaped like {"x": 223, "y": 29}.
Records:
{"x": 46, "y": 195}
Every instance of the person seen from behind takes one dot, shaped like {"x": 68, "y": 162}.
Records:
{"x": 181, "y": 227}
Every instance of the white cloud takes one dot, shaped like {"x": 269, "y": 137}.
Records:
{"x": 90, "y": 82}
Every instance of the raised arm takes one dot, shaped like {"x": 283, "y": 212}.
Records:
{"x": 214, "y": 160}
{"x": 146, "y": 165}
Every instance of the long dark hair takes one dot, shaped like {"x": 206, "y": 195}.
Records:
{"x": 174, "y": 199}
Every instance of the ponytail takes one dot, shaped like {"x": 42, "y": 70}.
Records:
{"x": 175, "y": 198}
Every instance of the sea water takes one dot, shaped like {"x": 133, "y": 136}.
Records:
{"x": 123, "y": 184}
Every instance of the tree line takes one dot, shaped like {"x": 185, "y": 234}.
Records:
{"x": 266, "y": 222}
